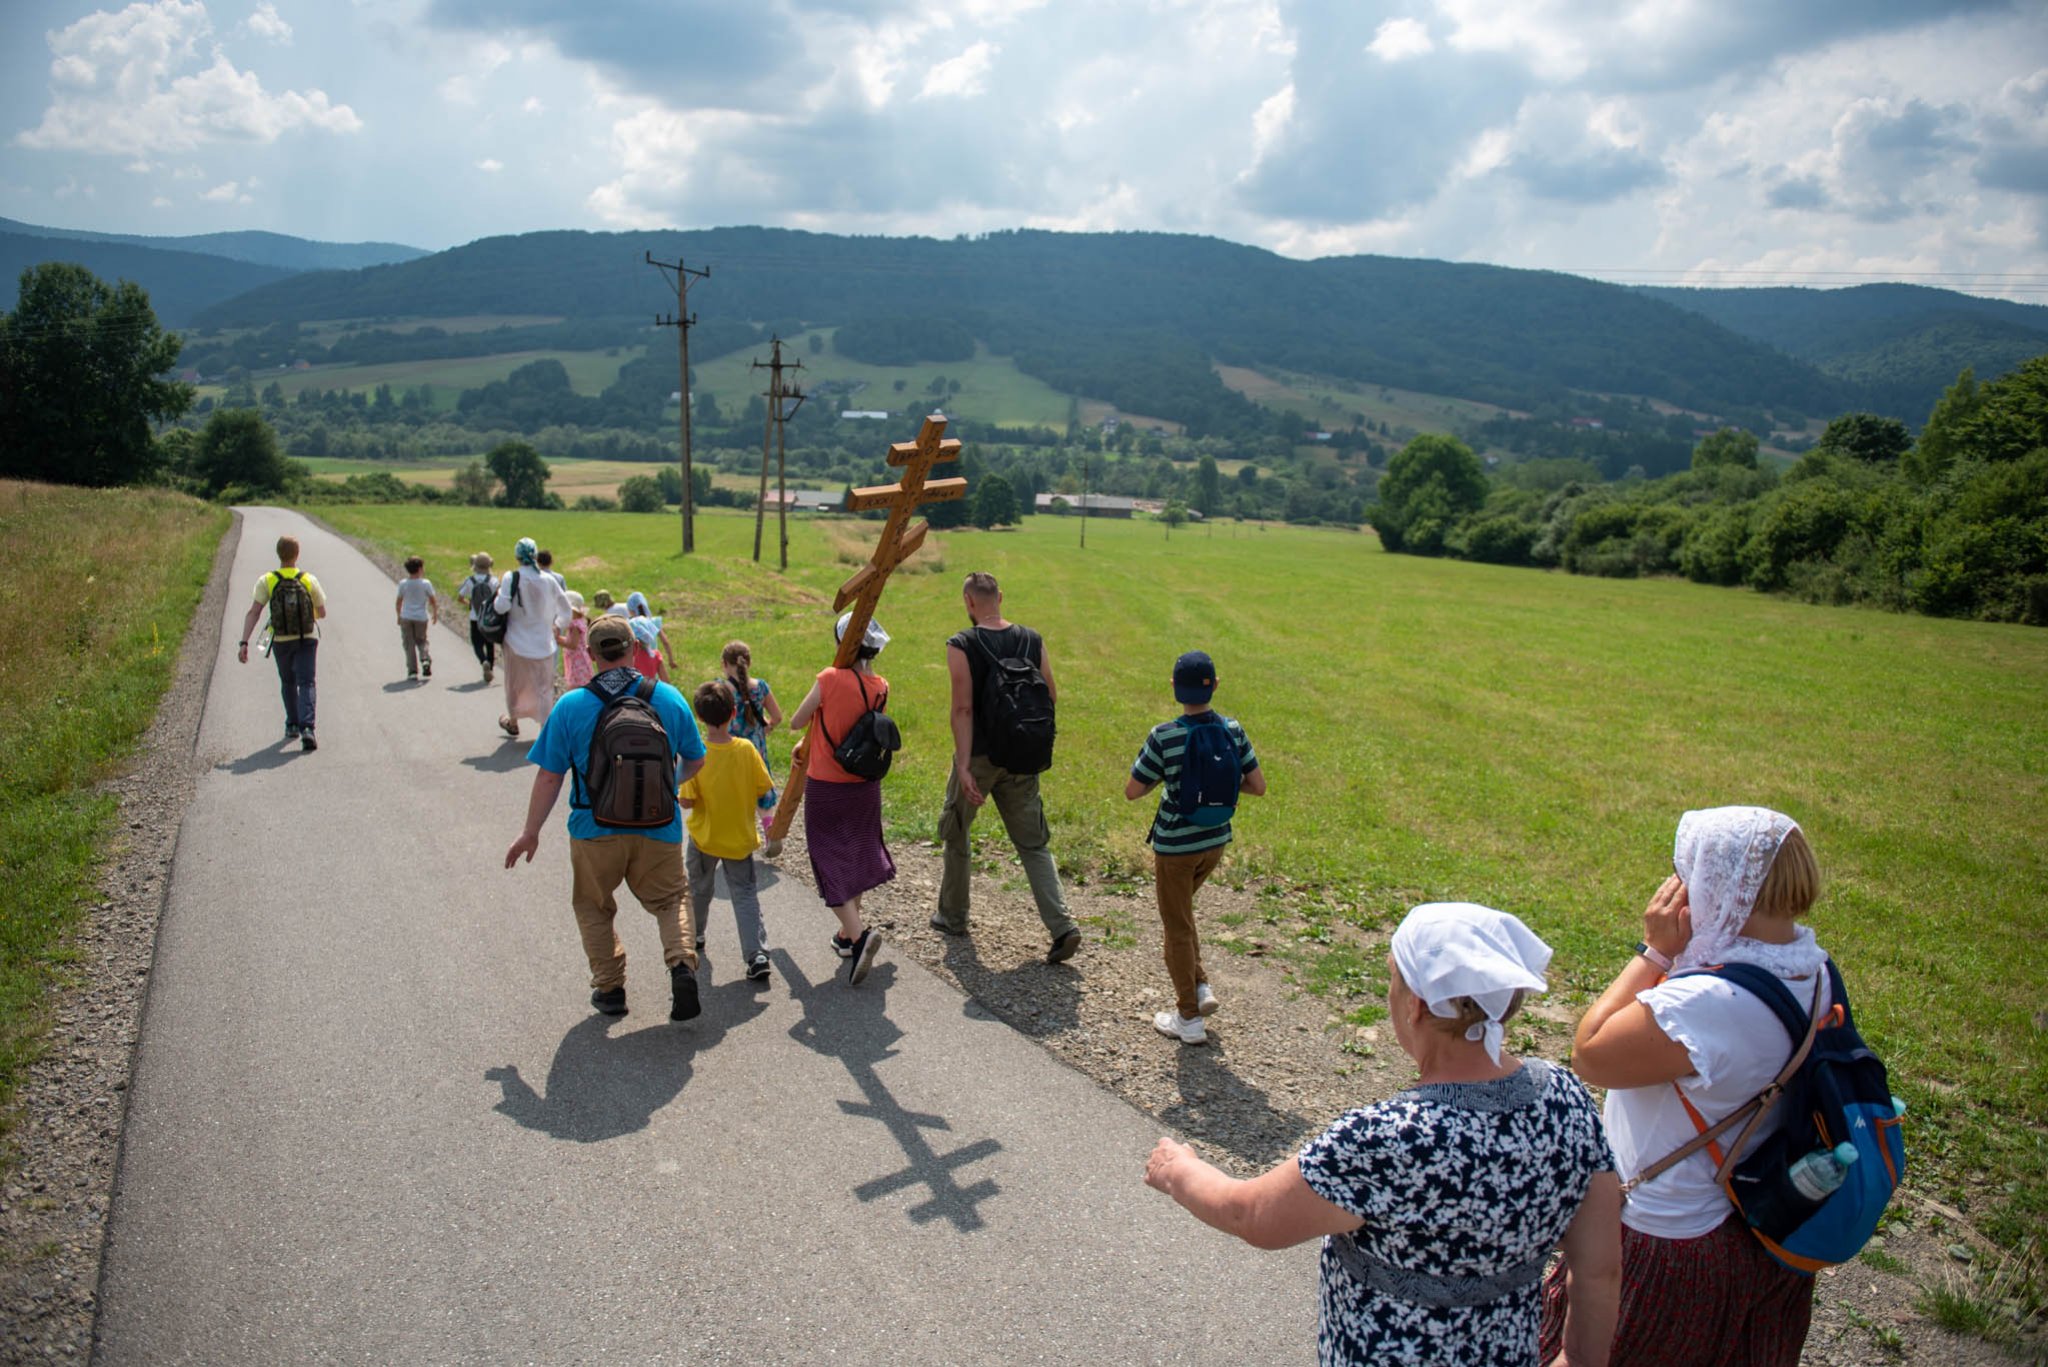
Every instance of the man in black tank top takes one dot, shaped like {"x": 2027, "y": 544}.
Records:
{"x": 976, "y": 779}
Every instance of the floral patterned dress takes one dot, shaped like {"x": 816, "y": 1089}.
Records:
{"x": 1464, "y": 1189}
{"x": 746, "y": 727}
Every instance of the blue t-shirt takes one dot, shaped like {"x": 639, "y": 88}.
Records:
{"x": 564, "y": 744}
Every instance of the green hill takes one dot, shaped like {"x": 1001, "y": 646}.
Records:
{"x": 180, "y": 284}
{"x": 257, "y": 248}
{"x": 1133, "y": 319}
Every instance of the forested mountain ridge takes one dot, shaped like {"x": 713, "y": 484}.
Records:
{"x": 180, "y": 284}
{"x": 256, "y": 247}
{"x": 1906, "y": 342}
{"x": 1134, "y": 318}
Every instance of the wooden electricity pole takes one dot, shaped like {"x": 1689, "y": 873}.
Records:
{"x": 682, "y": 321}
{"x": 772, "y": 429}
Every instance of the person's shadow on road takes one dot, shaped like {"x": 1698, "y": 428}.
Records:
{"x": 1221, "y": 1108}
{"x": 1034, "y": 998}
{"x": 270, "y": 756}
{"x": 503, "y": 760}
{"x": 602, "y": 1086}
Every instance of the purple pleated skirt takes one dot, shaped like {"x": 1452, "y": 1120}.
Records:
{"x": 843, "y": 829}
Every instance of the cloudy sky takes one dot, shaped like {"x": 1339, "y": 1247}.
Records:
{"x": 1718, "y": 140}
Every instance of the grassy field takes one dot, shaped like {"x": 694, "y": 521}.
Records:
{"x": 992, "y": 389}
{"x": 569, "y": 477}
{"x": 589, "y": 373}
{"x": 102, "y": 587}
{"x": 1333, "y": 402}
{"x": 1434, "y": 729}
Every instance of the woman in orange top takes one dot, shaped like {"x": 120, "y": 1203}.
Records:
{"x": 842, "y": 811}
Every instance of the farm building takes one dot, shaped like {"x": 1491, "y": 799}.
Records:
{"x": 809, "y": 501}
{"x": 1098, "y": 505}
{"x": 865, "y": 413}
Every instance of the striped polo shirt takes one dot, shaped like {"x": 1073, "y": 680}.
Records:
{"x": 1159, "y": 762}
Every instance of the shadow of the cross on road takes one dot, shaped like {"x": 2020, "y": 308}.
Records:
{"x": 850, "y": 1025}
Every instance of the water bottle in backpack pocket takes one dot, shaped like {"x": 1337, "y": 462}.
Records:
{"x": 1210, "y": 771}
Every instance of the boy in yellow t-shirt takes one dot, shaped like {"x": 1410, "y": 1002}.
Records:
{"x": 722, "y": 798}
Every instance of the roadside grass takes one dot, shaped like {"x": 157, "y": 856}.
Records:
{"x": 101, "y": 587}
{"x": 1440, "y": 729}
{"x": 589, "y": 373}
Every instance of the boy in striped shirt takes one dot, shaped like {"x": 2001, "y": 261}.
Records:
{"x": 1187, "y": 845}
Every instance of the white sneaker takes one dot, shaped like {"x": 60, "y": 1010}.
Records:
{"x": 1205, "y": 1000}
{"x": 1186, "y": 1031}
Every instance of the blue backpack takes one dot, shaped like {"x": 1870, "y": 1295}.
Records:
{"x": 1209, "y": 772}
{"x": 1832, "y": 1091}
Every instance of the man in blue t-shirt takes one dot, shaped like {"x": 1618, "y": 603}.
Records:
{"x": 1185, "y": 851}
{"x": 648, "y": 862}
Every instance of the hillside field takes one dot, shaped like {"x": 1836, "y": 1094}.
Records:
{"x": 569, "y": 476}
{"x": 589, "y": 373}
{"x": 1435, "y": 729}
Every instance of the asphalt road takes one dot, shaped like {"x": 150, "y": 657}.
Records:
{"x": 374, "y": 1119}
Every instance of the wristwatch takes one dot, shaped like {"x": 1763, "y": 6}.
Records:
{"x": 1657, "y": 957}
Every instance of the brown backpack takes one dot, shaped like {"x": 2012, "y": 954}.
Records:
{"x": 629, "y": 778}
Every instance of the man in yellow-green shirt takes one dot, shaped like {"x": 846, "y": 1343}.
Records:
{"x": 296, "y": 604}
{"x": 722, "y": 799}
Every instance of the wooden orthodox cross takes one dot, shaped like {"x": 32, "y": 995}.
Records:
{"x": 899, "y": 541}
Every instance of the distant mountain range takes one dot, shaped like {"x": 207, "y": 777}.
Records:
{"x": 1137, "y": 319}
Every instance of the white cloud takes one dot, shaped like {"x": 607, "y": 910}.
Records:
{"x": 533, "y": 105}
{"x": 117, "y": 91}
{"x": 1398, "y": 39}
{"x": 490, "y": 164}
{"x": 266, "y": 23}
{"x": 160, "y": 202}
{"x": 224, "y": 193}
{"x": 964, "y": 75}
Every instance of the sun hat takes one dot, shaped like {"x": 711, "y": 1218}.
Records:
{"x": 611, "y": 638}
{"x": 1194, "y": 678}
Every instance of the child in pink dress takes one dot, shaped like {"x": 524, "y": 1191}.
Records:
{"x": 575, "y": 642}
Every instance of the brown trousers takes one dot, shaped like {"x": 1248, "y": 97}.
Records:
{"x": 653, "y": 870}
{"x": 1175, "y": 877}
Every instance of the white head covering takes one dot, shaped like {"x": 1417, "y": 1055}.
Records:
{"x": 525, "y": 552}
{"x": 1448, "y": 950}
{"x": 1723, "y": 855}
{"x": 575, "y": 600}
{"x": 874, "y": 637}
{"x": 647, "y": 631}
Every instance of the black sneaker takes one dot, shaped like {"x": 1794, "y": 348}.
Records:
{"x": 842, "y": 946}
{"x": 939, "y": 923}
{"x": 1065, "y": 948}
{"x": 291, "y": 732}
{"x": 426, "y": 671}
{"x": 412, "y": 675}
{"x": 609, "y": 1001}
{"x": 757, "y": 967}
{"x": 682, "y": 983}
{"x": 306, "y": 741}
{"x": 862, "y": 959}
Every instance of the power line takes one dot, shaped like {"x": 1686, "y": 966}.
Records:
{"x": 682, "y": 321}
{"x": 777, "y": 418}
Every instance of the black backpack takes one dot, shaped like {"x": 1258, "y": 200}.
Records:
{"x": 871, "y": 743}
{"x": 490, "y": 623}
{"x": 1209, "y": 771}
{"x": 628, "y": 780}
{"x": 1016, "y": 708}
{"x": 291, "y": 605}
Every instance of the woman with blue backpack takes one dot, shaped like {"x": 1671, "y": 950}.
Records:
{"x": 1736, "y": 1083}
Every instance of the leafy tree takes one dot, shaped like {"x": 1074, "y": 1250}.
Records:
{"x": 474, "y": 484}
{"x": 1730, "y": 446}
{"x": 995, "y": 503}
{"x": 1208, "y": 486}
{"x": 1866, "y": 437}
{"x": 1429, "y": 483}
{"x": 1943, "y": 439}
{"x": 1174, "y": 515}
{"x": 81, "y": 367}
{"x": 641, "y": 494}
{"x": 524, "y": 475}
{"x": 238, "y": 452}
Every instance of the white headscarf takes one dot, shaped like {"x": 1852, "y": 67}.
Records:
{"x": 873, "y": 637}
{"x": 1448, "y": 950}
{"x": 1723, "y": 854}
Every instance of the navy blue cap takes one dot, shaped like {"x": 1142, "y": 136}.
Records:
{"x": 1194, "y": 677}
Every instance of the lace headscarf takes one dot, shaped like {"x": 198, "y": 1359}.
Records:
{"x": 1448, "y": 950}
{"x": 526, "y": 553}
{"x": 1723, "y": 854}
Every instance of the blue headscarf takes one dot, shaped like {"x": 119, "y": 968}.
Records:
{"x": 636, "y": 605}
{"x": 526, "y": 552}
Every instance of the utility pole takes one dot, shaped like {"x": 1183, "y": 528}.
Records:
{"x": 773, "y": 429}
{"x": 1084, "y": 498}
{"x": 682, "y": 321}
